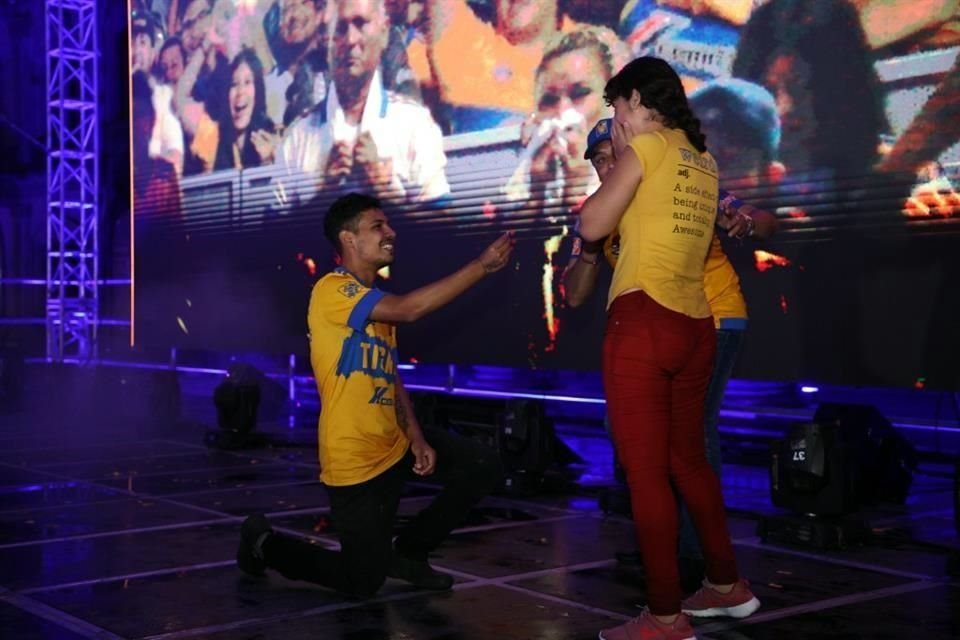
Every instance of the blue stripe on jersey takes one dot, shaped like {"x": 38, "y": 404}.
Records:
{"x": 358, "y": 317}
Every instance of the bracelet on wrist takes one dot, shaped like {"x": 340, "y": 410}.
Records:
{"x": 750, "y": 224}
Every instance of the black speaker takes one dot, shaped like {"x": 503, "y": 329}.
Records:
{"x": 237, "y": 400}
{"x": 812, "y": 473}
{"x": 237, "y": 405}
{"x": 518, "y": 429}
{"x": 886, "y": 459}
{"x": 848, "y": 457}
{"x": 525, "y": 437}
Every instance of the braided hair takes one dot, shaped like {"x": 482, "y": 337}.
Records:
{"x": 660, "y": 89}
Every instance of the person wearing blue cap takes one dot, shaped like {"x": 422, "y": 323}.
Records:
{"x": 599, "y": 152}
{"x": 580, "y": 276}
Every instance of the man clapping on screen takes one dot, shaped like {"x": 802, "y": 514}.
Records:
{"x": 362, "y": 135}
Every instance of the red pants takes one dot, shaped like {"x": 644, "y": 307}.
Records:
{"x": 656, "y": 367}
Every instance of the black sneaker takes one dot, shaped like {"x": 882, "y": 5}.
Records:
{"x": 249, "y": 559}
{"x": 419, "y": 573}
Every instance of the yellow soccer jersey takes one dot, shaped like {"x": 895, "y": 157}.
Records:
{"x": 355, "y": 364}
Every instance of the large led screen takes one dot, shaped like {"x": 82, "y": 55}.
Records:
{"x": 249, "y": 117}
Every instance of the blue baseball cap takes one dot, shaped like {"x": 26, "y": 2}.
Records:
{"x": 600, "y": 132}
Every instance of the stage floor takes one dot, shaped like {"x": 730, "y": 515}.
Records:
{"x": 134, "y": 535}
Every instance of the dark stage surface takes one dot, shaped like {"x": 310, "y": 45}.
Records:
{"x": 133, "y": 535}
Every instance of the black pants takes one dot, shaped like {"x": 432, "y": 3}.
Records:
{"x": 364, "y": 515}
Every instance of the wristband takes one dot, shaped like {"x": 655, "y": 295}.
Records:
{"x": 728, "y": 202}
{"x": 751, "y": 225}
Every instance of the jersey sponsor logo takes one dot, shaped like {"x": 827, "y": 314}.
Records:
{"x": 379, "y": 397}
{"x": 369, "y": 355}
{"x": 349, "y": 289}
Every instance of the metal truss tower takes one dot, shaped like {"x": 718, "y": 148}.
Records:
{"x": 72, "y": 180}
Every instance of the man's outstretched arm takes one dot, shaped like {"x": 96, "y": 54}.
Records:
{"x": 412, "y": 306}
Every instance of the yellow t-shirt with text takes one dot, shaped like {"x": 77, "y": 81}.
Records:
{"x": 354, "y": 362}
{"x": 667, "y": 228}
{"x": 720, "y": 281}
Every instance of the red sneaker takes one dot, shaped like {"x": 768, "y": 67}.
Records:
{"x": 647, "y": 627}
{"x": 708, "y": 602}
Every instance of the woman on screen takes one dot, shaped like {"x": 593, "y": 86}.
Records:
{"x": 247, "y": 135}
{"x": 568, "y": 95}
{"x": 660, "y": 341}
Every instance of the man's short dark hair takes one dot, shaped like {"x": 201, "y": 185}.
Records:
{"x": 175, "y": 41}
{"x": 344, "y": 213}
{"x": 143, "y": 22}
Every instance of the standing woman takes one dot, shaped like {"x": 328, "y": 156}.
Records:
{"x": 247, "y": 135}
{"x": 660, "y": 342}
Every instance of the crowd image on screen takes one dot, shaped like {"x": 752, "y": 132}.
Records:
{"x": 462, "y": 112}
{"x": 483, "y": 66}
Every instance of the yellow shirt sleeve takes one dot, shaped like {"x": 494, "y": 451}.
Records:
{"x": 341, "y": 300}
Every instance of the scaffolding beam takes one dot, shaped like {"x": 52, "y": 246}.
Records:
{"x": 73, "y": 180}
